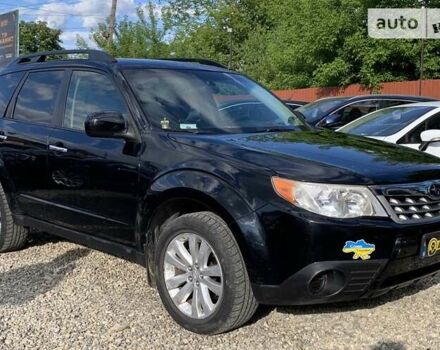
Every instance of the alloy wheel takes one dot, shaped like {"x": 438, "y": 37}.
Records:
{"x": 193, "y": 275}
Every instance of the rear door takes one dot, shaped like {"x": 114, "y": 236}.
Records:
{"x": 93, "y": 181}
{"x": 24, "y": 136}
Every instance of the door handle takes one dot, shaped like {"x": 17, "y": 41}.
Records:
{"x": 58, "y": 149}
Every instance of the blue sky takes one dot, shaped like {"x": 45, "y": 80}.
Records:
{"x": 71, "y": 16}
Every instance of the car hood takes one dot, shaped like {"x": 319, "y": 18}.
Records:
{"x": 322, "y": 156}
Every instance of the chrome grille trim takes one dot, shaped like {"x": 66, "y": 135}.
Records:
{"x": 410, "y": 203}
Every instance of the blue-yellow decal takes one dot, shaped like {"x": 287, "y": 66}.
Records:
{"x": 361, "y": 249}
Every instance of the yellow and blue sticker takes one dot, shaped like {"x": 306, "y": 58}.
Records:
{"x": 360, "y": 249}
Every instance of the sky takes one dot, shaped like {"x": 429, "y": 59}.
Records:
{"x": 71, "y": 16}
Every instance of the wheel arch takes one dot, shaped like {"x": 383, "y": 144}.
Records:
{"x": 184, "y": 192}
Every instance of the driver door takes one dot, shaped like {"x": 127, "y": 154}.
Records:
{"x": 93, "y": 182}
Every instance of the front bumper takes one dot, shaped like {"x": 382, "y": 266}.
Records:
{"x": 360, "y": 279}
{"x": 308, "y": 265}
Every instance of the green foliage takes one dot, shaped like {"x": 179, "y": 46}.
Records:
{"x": 81, "y": 43}
{"x": 141, "y": 38}
{"x": 200, "y": 27}
{"x": 283, "y": 43}
{"x": 37, "y": 36}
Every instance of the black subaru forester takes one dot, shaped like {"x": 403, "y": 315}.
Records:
{"x": 225, "y": 195}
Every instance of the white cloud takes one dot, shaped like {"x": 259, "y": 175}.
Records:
{"x": 81, "y": 16}
{"x": 89, "y": 12}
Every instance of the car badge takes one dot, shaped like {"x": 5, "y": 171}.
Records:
{"x": 434, "y": 191}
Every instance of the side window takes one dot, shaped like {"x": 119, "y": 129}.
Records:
{"x": 37, "y": 99}
{"x": 8, "y": 84}
{"x": 414, "y": 135}
{"x": 90, "y": 92}
{"x": 391, "y": 103}
{"x": 433, "y": 122}
{"x": 357, "y": 110}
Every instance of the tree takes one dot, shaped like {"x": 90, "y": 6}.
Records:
{"x": 37, "y": 36}
{"x": 81, "y": 43}
{"x": 283, "y": 43}
{"x": 200, "y": 27}
{"x": 325, "y": 43}
{"x": 143, "y": 37}
{"x": 301, "y": 43}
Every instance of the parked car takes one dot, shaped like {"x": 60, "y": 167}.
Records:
{"x": 334, "y": 112}
{"x": 414, "y": 125}
{"x": 293, "y": 104}
{"x": 227, "y": 210}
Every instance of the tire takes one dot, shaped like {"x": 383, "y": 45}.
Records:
{"x": 12, "y": 236}
{"x": 236, "y": 305}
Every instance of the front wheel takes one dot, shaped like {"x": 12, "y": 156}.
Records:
{"x": 201, "y": 276}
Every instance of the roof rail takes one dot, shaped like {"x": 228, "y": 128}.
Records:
{"x": 39, "y": 57}
{"x": 196, "y": 60}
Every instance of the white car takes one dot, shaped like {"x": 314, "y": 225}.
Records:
{"x": 415, "y": 125}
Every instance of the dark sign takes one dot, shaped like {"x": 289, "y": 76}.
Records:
{"x": 8, "y": 37}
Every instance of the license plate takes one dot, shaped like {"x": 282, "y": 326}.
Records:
{"x": 430, "y": 245}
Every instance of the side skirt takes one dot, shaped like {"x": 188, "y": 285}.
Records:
{"x": 116, "y": 249}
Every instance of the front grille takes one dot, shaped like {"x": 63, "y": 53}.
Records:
{"x": 414, "y": 207}
{"x": 411, "y": 203}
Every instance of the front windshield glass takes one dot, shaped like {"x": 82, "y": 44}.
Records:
{"x": 205, "y": 101}
{"x": 385, "y": 122}
{"x": 314, "y": 111}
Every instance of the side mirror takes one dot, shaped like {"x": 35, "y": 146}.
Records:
{"x": 428, "y": 137}
{"x": 106, "y": 124}
{"x": 331, "y": 121}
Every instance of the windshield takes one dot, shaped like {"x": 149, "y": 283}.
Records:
{"x": 205, "y": 101}
{"x": 314, "y": 111}
{"x": 385, "y": 122}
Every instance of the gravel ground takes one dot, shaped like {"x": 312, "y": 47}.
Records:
{"x": 57, "y": 295}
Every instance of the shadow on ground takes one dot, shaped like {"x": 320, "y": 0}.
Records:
{"x": 388, "y": 345}
{"x": 23, "y": 284}
{"x": 417, "y": 287}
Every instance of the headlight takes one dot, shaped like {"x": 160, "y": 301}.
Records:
{"x": 337, "y": 201}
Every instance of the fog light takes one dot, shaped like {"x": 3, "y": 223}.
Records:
{"x": 327, "y": 283}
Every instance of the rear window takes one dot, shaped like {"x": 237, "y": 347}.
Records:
{"x": 385, "y": 122}
{"x": 8, "y": 84}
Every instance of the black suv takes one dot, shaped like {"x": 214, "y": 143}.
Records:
{"x": 224, "y": 194}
